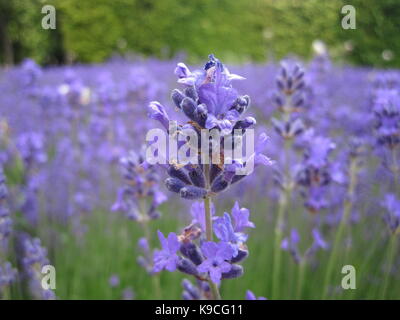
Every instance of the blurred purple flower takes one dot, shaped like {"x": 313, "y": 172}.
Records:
{"x": 166, "y": 258}
{"x": 251, "y": 296}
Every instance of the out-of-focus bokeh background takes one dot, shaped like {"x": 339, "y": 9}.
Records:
{"x": 236, "y": 31}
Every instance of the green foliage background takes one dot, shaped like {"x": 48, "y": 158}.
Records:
{"x": 237, "y": 31}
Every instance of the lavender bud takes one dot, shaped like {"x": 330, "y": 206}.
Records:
{"x": 192, "y": 193}
{"x": 141, "y": 261}
{"x": 203, "y": 285}
{"x": 154, "y": 214}
{"x": 191, "y": 251}
{"x": 219, "y": 184}
{"x": 174, "y": 184}
{"x": 235, "y": 272}
{"x": 280, "y": 84}
{"x": 237, "y": 178}
{"x": 191, "y": 93}
{"x": 186, "y": 296}
{"x": 289, "y": 83}
{"x": 201, "y": 114}
{"x": 177, "y": 97}
{"x": 245, "y": 123}
{"x": 242, "y": 254}
{"x": 296, "y": 128}
{"x": 299, "y": 86}
{"x": 189, "y": 107}
{"x": 188, "y": 267}
{"x": 191, "y": 289}
{"x": 197, "y": 177}
{"x": 215, "y": 170}
{"x": 241, "y": 104}
{"x": 278, "y": 100}
{"x": 179, "y": 174}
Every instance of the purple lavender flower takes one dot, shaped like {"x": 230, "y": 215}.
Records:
{"x": 190, "y": 292}
{"x": 146, "y": 259}
{"x": 241, "y": 218}
{"x": 5, "y": 219}
{"x": 7, "y": 275}
{"x": 289, "y": 98}
{"x": 210, "y": 102}
{"x": 316, "y": 173}
{"x": 31, "y": 146}
{"x": 140, "y": 184}
{"x": 166, "y": 258}
{"x": 392, "y": 217}
{"x": 35, "y": 257}
{"x": 387, "y": 117}
{"x": 217, "y": 255}
{"x": 251, "y": 296}
{"x": 35, "y": 254}
{"x": 114, "y": 281}
{"x": 128, "y": 294}
{"x": 291, "y": 244}
{"x": 319, "y": 242}
{"x": 224, "y": 231}
{"x": 157, "y": 112}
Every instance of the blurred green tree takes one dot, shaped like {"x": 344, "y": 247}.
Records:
{"x": 238, "y": 31}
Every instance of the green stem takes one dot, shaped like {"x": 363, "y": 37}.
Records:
{"x": 147, "y": 234}
{"x": 209, "y": 229}
{"x": 207, "y": 208}
{"x": 389, "y": 264}
{"x": 348, "y": 205}
{"x": 300, "y": 279}
{"x": 283, "y": 204}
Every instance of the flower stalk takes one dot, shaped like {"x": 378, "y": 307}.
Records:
{"x": 348, "y": 206}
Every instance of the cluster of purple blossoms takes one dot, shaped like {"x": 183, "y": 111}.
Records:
{"x": 206, "y": 260}
{"x": 291, "y": 242}
{"x": 209, "y": 102}
{"x": 145, "y": 260}
{"x": 387, "y": 117}
{"x": 392, "y": 216}
{"x": 7, "y": 272}
{"x": 387, "y": 128}
{"x": 289, "y": 99}
{"x": 34, "y": 259}
{"x": 115, "y": 283}
{"x": 140, "y": 197}
{"x": 5, "y": 219}
{"x": 32, "y": 151}
{"x": 7, "y": 275}
{"x": 315, "y": 173}
{"x": 31, "y": 147}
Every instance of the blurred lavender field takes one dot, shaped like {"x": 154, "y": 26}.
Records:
{"x": 331, "y": 198}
